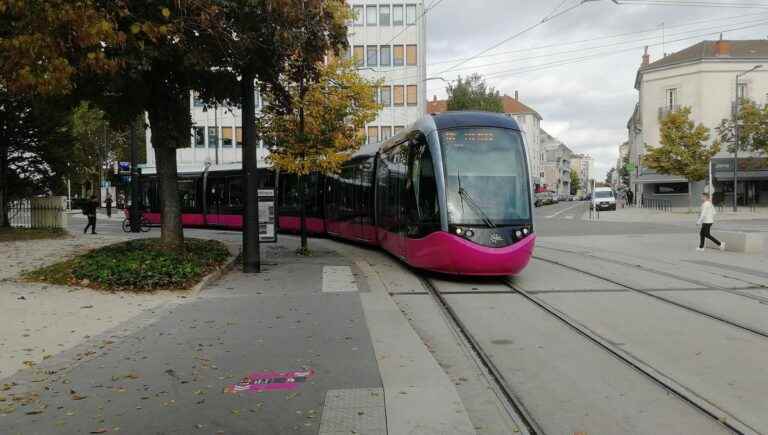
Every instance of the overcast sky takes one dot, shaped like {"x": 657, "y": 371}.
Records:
{"x": 584, "y": 102}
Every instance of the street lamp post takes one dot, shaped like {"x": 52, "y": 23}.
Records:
{"x": 736, "y": 109}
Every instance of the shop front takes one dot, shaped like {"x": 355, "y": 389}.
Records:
{"x": 751, "y": 177}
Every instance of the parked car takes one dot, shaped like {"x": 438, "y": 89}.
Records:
{"x": 539, "y": 199}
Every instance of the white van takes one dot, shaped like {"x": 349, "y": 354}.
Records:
{"x": 603, "y": 198}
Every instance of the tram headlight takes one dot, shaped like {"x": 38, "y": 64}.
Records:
{"x": 525, "y": 231}
{"x": 519, "y": 234}
{"x": 469, "y": 233}
{"x": 459, "y": 231}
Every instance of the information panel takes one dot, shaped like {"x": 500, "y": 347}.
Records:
{"x": 267, "y": 218}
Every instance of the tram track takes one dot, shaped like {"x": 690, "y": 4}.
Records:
{"x": 656, "y": 377}
{"x": 701, "y": 312}
{"x": 531, "y": 426}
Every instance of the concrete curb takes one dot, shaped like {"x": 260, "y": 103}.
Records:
{"x": 214, "y": 276}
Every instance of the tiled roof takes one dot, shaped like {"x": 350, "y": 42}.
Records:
{"x": 724, "y": 49}
{"x": 511, "y": 106}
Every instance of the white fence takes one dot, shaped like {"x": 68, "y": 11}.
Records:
{"x": 38, "y": 212}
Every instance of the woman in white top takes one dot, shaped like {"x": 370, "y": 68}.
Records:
{"x": 706, "y": 219}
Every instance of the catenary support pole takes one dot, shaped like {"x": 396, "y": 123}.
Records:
{"x": 134, "y": 212}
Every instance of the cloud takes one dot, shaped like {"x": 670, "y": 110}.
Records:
{"x": 584, "y": 102}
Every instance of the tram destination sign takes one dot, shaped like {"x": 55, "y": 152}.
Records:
{"x": 267, "y": 218}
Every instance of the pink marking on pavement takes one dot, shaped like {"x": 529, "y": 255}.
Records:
{"x": 271, "y": 381}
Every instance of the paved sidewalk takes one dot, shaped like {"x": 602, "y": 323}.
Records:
{"x": 329, "y": 316}
{"x": 757, "y": 220}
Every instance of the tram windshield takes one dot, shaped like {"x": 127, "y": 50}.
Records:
{"x": 486, "y": 176}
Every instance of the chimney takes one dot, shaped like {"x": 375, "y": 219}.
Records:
{"x": 722, "y": 47}
{"x": 646, "y": 57}
{"x": 517, "y": 95}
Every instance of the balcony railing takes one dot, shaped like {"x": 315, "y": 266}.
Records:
{"x": 666, "y": 110}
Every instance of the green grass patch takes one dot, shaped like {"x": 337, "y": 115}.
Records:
{"x": 137, "y": 265}
{"x": 21, "y": 234}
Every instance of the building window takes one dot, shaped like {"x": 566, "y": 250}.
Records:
{"x": 399, "y": 128}
{"x": 670, "y": 188}
{"x": 373, "y": 55}
{"x": 196, "y": 100}
{"x": 357, "y": 14}
{"x": 226, "y": 137}
{"x": 371, "y": 17}
{"x": 399, "y": 55}
{"x": 373, "y": 134}
{"x": 399, "y": 91}
{"x": 386, "y": 132}
{"x": 386, "y": 96}
{"x": 412, "y": 95}
{"x": 742, "y": 91}
{"x": 213, "y": 138}
{"x": 410, "y": 14}
{"x": 239, "y": 136}
{"x": 397, "y": 15}
{"x": 198, "y": 137}
{"x": 358, "y": 54}
{"x": 410, "y": 54}
{"x": 385, "y": 53}
{"x": 671, "y": 98}
{"x": 384, "y": 15}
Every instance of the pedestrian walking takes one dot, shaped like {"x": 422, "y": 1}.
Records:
{"x": 108, "y": 203}
{"x": 121, "y": 200}
{"x": 706, "y": 219}
{"x": 630, "y": 198}
{"x": 89, "y": 209}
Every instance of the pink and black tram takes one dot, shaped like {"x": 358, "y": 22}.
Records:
{"x": 450, "y": 194}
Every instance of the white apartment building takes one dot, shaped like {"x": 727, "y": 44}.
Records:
{"x": 530, "y": 124}
{"x": 584, "y": 166}
{"x": 704, "y": 78}
{"x": 387, "y": 40}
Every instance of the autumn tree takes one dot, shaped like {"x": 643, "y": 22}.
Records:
{"x": 683, "y": 150}
{"x": 473, "y": 93}
{"x": 323, "y": 127}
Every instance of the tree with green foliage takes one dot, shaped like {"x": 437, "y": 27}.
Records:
{"x": 753, "y": 128}
{"x": 323, "y": 127}
{"x": 575, "y": 182}
{"x": 473, "y": 93}
{"x": 683, "y": 151}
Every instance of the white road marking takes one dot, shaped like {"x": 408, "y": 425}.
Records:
{"x": 563, "y": 211}
{"x": 338, "y": 279}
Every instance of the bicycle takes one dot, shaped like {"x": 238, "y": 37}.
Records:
{"x": 144, "y": 225}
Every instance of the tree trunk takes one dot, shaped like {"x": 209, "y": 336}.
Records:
{"x": 171, "y": 231}
{"x": 4, "y": 221}
{"x": 303, "y": 213}
{"x": 251, "y": 247}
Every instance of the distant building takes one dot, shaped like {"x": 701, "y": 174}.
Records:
{"x": 387, "y": 40}
{"x": 585, "y": 167}
{"x": 529, "y": 121}
{"x": 557, "y": 165}
{"x": 702, "y": 77}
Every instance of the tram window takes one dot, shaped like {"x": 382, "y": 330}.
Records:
{"x": 425, "y": 187}
{"x": 410, "y": 55}
{"x": 226, "y": 137}
{"x": 198, "y": 137}
{"x": 188, "y": 195}
{"x": 398, "y": 55}
{"x": 397, "y": 15}
{"x": 239, "y": 136}
{"x": 236, "y": 193}
{"x": 410, "y": 14}
{"x": 216, "y": 188}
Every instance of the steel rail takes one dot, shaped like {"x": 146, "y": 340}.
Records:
{"x": 701, "y": 312}
{"x": 665, "y": 382}
{"x": 498, "y": 378}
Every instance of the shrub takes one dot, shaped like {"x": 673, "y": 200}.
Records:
{"x": 138, "y": 265}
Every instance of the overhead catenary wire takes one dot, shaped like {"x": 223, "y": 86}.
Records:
{"x": 426, "y": 10}
{"x": 695, "y": 3}
{"x": 543, "y": 21}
